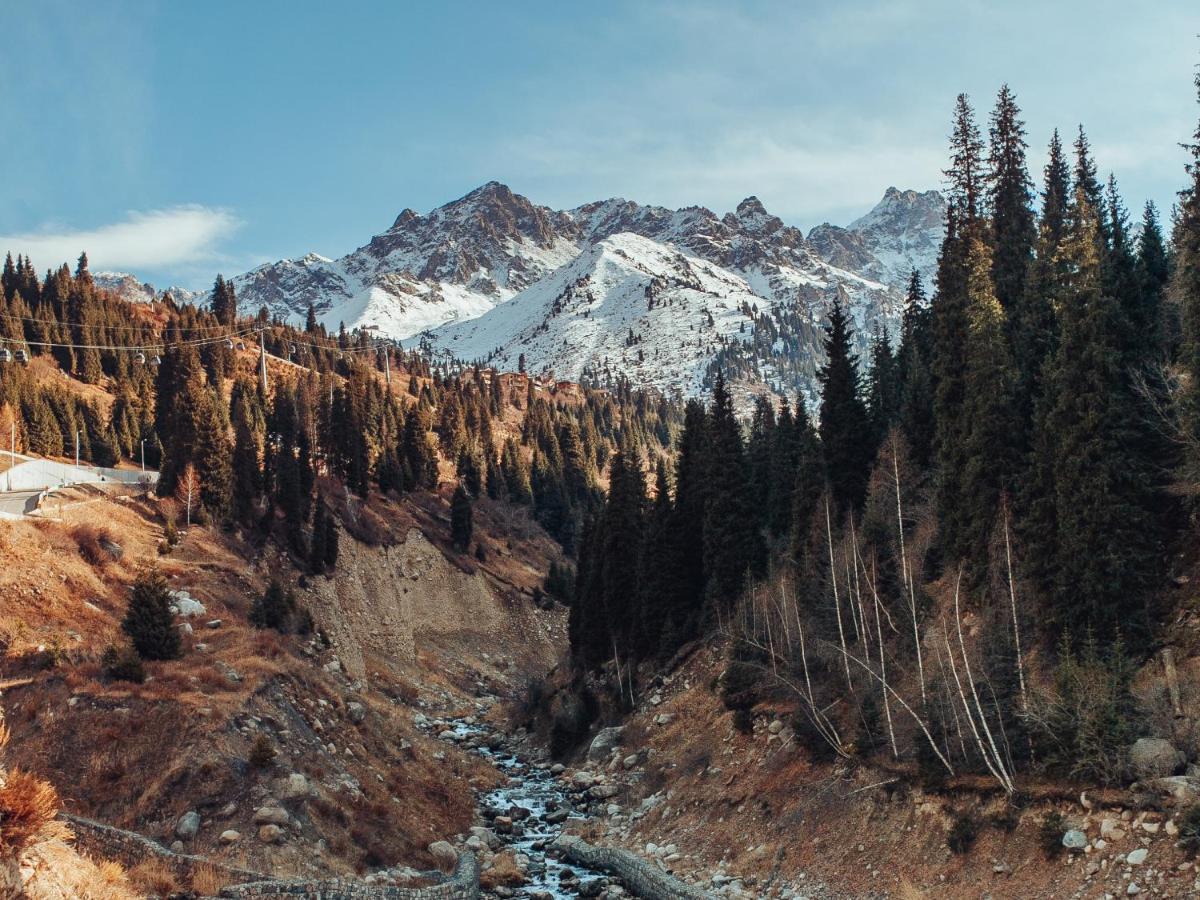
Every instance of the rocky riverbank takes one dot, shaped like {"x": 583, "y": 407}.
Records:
{"x": 527, "y": 837}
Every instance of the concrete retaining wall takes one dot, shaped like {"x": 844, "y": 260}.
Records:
{"x": 643, "y": 878}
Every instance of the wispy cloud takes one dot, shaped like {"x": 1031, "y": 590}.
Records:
{"x": 154, "y": 239}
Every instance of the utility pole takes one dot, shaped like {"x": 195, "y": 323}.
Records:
{"x": 77, "y": 448}
{"x": 262, "y": 362}
{"x": 12, "y": 450}
{"x": 387, "y": 366}
{"x": 143, "y": 456}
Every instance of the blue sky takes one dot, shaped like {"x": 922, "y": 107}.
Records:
{"x": 178, "y": 139}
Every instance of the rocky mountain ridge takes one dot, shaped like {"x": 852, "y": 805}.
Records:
{"x": 488, "y": 278}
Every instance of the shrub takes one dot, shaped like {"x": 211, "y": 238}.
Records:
{"x": 1189, "y": 828}
{"x": 95, "y": 544}
{"x": 123, "y": 664}
{"x": 262, "y": 753}
{"x": 1006, "y": 819}
{"x": 1083, "y": 727}
{"x": 963, "y": 832}
{"x": 149, "y": 621}
{"x": 1050, "y": 834}
{"x": 27, "y": 806}
{"x": 810, "y": 737}
{"x": 273, "y": 608}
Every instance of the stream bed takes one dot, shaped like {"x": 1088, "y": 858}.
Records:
{"x": 526, "y": 815}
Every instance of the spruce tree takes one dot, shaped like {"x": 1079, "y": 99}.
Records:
{"x": 461, "y": 524}
{"x": 987, "y": 430}
{"x": 149, "y": 621}
{"x": 1009, "y": 198}
{"x": 1107, "y": 510}
{"x": 966, "y": 173}
{"x": 883, "y": 386}
{"x": 1033, "y": 327}
{"x": 730, "y": 547}
{"x": 845, "y": 428}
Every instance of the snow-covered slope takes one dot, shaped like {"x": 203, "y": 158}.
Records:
{"x": 492, "y": 275}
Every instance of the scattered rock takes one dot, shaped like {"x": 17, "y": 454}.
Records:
{"x": 188, "y": 825}
{"x": 1074, "y": 839}
{"x": 271, "y": 815}
{"x": 1137, "y": 857}
{"x": 295, "y": 787}
{"x": 270, "y": 834}
{"x": 605, "y": 741}
{"x": 1180, "y": 788}
{"x": 230, "y": 836}
{"x": 356, "y": 711}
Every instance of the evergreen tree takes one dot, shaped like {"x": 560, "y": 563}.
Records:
{"x": 149, "y": 621}
{"x": 730, "y": 547}
{"x": 883, "y": 386}
{"x": 1009, "y": 197}
{"x": 461, "y": 525}
{"x": 247, "y": 470}
{"x": 317, "y": 547}
{"x": 1154, "y": 273}
{"x": 966, "y": 173}
{"x": 915, "y": 413}
{"x": 844, "y": 425}
{"x": 1033, "y": 326}
{"x": 1106, "y": 509}
{"x": 273, "y": 607}
{"x": 987, "y": 432}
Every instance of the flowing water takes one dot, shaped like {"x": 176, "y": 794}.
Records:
{"x": 533, "y": 788}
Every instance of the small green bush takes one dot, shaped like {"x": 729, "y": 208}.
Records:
{"x": 963, "y": 832}
{"x": 123, "y": 664}
{"x": 262, "y": 753}
{"x": 1050, "y": 834}
{"x": 1189, "y": 829}
{"x": 274, "y": 608}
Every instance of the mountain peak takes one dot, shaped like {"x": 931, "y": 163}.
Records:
{"x": 751, "y": 206}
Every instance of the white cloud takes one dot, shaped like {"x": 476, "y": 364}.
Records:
{"x": 176, "y": 236}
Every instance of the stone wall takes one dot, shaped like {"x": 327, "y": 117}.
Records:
{"x": 462, "y": 885}
{"x": 642, "y": 878}
{"x": 129, "y": 848}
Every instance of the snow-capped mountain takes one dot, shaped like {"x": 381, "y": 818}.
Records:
{"x": 128, "y": 287}
{"x": 614, "y": 287}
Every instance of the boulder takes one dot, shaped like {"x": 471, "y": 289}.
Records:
{"x": 295, "y": 787}
{"x": 1137, "y": 857}
{"x": 444, "y": 855}
{"x": 230, "y": 836}
{"x": 270, "y": 834}
{"x": 1183, "y": 789}
{"x": 356, "y": 711}
{"x": 188, "y": 825}
{"x": 1111, "y": 830}
{"x": 605, "y": 741}
{"x": 271, "y": 815}
{"x": 603, "y": 791}
{"x": 1074, "y": 839}
{"x": 583, "y": 780}
{"x": 1155, "y": 757}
